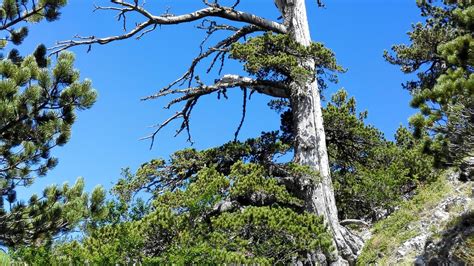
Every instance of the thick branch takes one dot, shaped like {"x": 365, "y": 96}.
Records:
{"x": 191, "y": 96}
{"x": 170, "y": 19}
{"x": 270, "y": 88}
{"x": 354, "y": 221}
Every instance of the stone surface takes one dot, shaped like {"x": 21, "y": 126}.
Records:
{"x": 444, "y": 232}
{"x": 467, "y": 169}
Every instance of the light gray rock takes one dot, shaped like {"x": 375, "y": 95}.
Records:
{"x": 430, "y": 250}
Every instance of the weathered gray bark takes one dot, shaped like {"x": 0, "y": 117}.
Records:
{"x": 310, "y": 140}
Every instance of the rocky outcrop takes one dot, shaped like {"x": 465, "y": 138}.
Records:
{"x": 454, "y": 247}
{"x": 445, "y": 236}
{"x": 467, "y": 169}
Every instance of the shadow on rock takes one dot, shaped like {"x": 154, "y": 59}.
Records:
{"x": 455, "y": 246}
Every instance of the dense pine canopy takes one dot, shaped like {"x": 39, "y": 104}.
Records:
{"x": 38, "y": 101}
{"x": 441, "y": 55}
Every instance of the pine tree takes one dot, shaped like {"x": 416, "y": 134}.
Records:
{"x": 37, "y": 111}
{"x": 58, "y": 210}
{"x": 38, "y": 101}
{"x": 441, "y": 54}
{"x": 16, "y": 14}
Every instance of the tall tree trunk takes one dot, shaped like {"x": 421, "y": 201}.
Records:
{"x": 310, "y": 140}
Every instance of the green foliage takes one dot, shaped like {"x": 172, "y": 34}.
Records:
{"x": 302, "y": 171}
{"x": 4, "y": 259}
{"x": 281, "y": 233}
{"x": 441, "y": 55}
{"x": 58, "y": 209}
{"x": 375, "y": 182}
{"x": 246, "y": 216}
{"x": 370, "y": 174}
{"x": 111, "y": 244}
{"x": 157, "y": 176}
{"x": 106, "y": 246}
{"x": 234, "y": 204}
{"x": 39, "y": 255}
{"x": 110, "y": 236}
{"x": 37, "y": 110}
{"x": 390, "y": 233}
{"x": 38, "y": 102}
{"x": 249, "y": 181}
{"x": 243, "y": 216}
{"x": 278, "y": 57}
{"x": 16, "y": 12}
{"x": 252, "y": 235}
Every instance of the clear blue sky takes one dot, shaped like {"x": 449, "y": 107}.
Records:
{"x": 106, "y": 137}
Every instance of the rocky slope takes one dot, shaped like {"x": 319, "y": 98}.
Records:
{"x": 436, "y": 227}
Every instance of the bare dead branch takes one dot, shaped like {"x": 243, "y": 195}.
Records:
{"x": 159, "y": 127}
{"x": 354, "y": 221}
{"x": 212, "y": 11}
{"x": 190, "y": 97}
{"x": 244, "y": 111}
{"x": 211, "y": 27}
{"x": 135, "y": 7}
{"x": 189, "y": 74}
{"x": 63, "y": 45}
{"x": 271, "y": 88}
{"x": 236, "y": 4}
{"x": 145, "y": 32}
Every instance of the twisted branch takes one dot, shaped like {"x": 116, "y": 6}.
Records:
{"x": 192, "y": 94}
{"x": 212, "y": 11}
